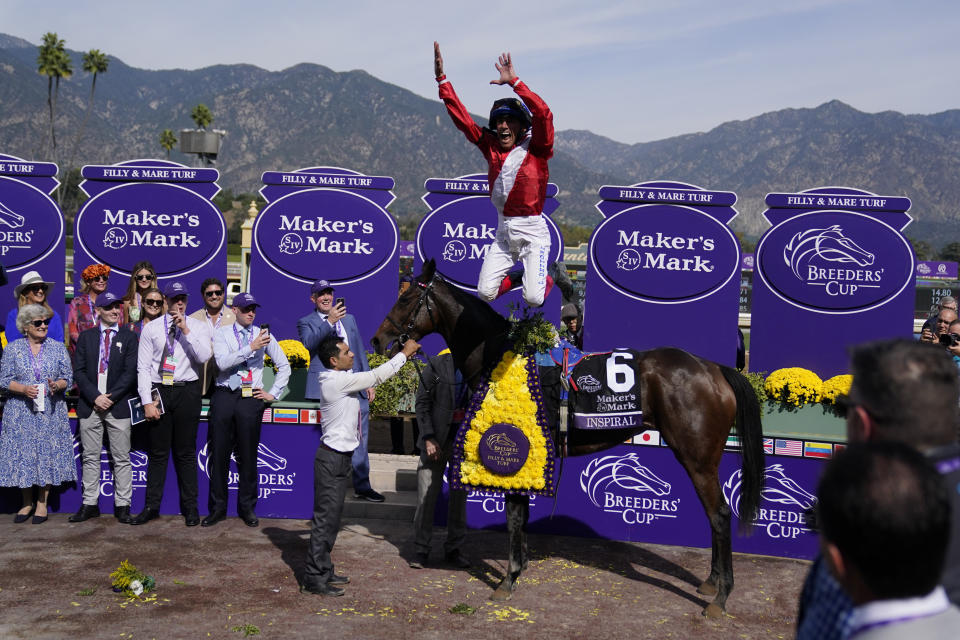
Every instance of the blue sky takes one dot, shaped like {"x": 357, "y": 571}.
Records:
{"x": 632, "y": 71}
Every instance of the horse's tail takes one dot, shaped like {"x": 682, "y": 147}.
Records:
{"x": 750, "y": 432}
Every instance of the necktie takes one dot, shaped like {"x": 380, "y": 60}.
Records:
{"x": 235, "y": 378}
{"x": 105, "y": 356}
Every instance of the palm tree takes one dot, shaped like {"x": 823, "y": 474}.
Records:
{"x": 95, "y": 62}
{"x": 54, "y": 62}
{"x": 202, "y": 116}
{"x": 168, "y": 140}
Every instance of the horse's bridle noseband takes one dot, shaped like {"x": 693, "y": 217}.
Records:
{"x": 425, "y": 290}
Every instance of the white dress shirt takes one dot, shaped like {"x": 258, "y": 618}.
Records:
{"x": 340, "y": 402}
{"x": 190, "y": 350}
{"x": 233, "y": 357}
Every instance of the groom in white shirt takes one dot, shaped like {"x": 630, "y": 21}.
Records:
{"x": 340, "y": 389}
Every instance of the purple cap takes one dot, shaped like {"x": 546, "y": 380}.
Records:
{"x": 106, "y": 299}
{"x": 242, "y": 300}
{"x": 174, "y": 289}
{"x": 320, "y": 286}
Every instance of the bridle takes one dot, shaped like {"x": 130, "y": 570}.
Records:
{"x": 424, "y": 300}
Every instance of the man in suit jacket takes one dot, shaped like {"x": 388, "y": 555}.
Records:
{"x": 440, "y": 401}
{"x": 105, "y": 370}
{"x": 216, "y": 315}
{"x": 325, "y": 320}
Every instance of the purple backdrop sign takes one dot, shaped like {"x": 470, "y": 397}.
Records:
{"x": 642, "y": 494}
{"x": 330, "y": 223}
{"x": 151, "y": 210}
{"x": 284, "y": 468}
{"x": 663, "y": 252}
{"x": 834, "y": 270}
{"x": 32, "y": 230}
{"x": 458, "y": 232}
{"x": 937, "y": 270}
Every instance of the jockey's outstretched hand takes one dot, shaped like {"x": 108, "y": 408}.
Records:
{"x": 437, "y": 60}
{"x": 505, "y": 67}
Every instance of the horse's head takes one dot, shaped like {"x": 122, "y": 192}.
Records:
{"x": 415, "y": 313}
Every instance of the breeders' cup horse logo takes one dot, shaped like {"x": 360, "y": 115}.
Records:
{"x": 777, "y": 488}
{"x": 291, "y": 244}
{"x": 115, "y": 238}
{"x": 623, "y": 471}
{"x": 11, "y": 219}
{"x": 265, "y": 458}
{"x": 500, "y": 442}
{"x": 829, "y": 244}
{"x": 589, "y": 384}
{"x": 628, "y": 260}
{"x": 454, "y": 251}
{"x": 137, "y": 458}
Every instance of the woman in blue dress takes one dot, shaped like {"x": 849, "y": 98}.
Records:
{"x": 36, "y": 446}
{"x": 33, "y": 289}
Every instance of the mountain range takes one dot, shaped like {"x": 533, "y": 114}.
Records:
{"x": 310, "y": 115}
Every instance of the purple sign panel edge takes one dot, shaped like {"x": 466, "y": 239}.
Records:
{"x": 655, "y": 316}
{"x": 203, "y": 228}
{"x": 819, "y": 336}
{"x": 36, "y": 185}
{"x": 283, "y": 290}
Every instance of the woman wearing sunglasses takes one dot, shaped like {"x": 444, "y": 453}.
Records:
{"x": 36, "y": 445}
{"x": 83, "y": 310}
{"x": 152, "y": 309}
{"x": 142, "y": 277}
{"x": 33, "y": 289}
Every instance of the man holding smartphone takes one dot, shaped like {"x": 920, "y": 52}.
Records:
{"x": 171, "y": 351}
{"x": 236, "y": 408}
{"x": 329, "y": 318}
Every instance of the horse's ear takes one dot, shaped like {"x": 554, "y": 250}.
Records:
{"x": 429, "y": 269}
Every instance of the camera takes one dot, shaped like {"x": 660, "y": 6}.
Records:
{"x": 949, "y": 340}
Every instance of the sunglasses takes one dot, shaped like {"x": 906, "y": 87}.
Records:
{"x": 41, "y": 323}
{"x": 113, "y": 306}
{"x": 146, "y": 278}
{"x": 150, "y": 302}
{"x": 180, "y": 298}
{"x": 37, "y": 288}
{"x": 214, "y": 294}
{"x": 99, "y": 278}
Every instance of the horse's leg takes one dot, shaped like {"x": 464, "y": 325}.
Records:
{"x": 518, "y": 513}
{"x": 720, "y": 580}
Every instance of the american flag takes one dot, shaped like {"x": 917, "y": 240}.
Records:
{"x": 788, "y": 447}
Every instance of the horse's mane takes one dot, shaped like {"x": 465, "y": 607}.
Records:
{"x": 478, "y": 324}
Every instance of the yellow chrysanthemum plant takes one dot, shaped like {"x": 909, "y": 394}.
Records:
{"x": 297, "y": 355}
{"x": 795, "y": 387}
{"x": 503, "y": 443}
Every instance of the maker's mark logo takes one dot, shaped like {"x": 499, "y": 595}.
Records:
{"x": 115, "y": 238}
{"x": 454, "y": 251}
{"x": 628, "y": 260}
{"x": 778, "y": 489}
{"x": 291, "y": 244}
{"x": 11, "y": 219}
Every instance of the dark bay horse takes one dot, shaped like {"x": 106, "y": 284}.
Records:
{"x": 691, "y": 401}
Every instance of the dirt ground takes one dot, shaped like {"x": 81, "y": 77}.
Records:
{"x": 229, "y": 581}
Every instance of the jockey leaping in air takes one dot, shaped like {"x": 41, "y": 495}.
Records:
{"x": 517, "y": 144}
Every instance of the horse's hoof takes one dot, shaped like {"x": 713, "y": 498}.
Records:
{"x": 713, "y": 611}
{"x": 707, "y": 588}
{"x": 501, "y": 594}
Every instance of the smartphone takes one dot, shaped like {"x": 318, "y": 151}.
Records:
{"x": 338, "y": 302}
{"x": 265, "y": 327}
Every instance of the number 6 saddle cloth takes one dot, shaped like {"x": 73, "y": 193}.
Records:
{"x": 604, "y": 388}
